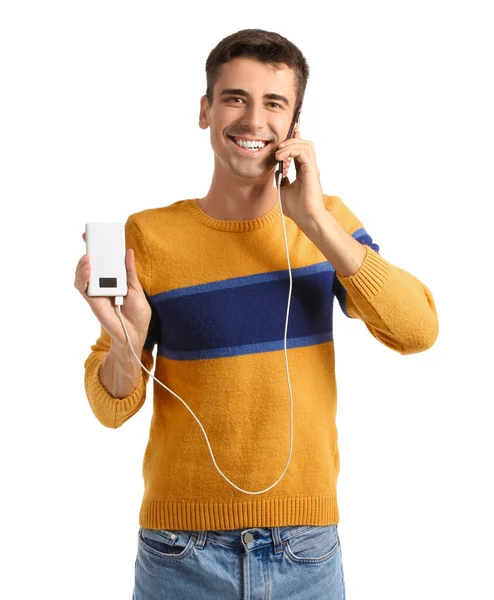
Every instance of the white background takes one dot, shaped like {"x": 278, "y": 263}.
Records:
{"x": 99, "y": 119}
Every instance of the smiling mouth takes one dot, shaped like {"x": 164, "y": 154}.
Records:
{"x": 247, "y": 150}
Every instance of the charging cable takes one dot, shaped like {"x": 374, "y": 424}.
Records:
{"x": 119, "y": 302}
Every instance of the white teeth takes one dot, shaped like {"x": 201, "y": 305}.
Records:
{"x": 249, "y": 144}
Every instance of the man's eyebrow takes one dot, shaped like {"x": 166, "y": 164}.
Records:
{"x": 240, "y": 92}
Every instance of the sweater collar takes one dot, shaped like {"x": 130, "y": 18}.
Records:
{"x": 232, "y": 226}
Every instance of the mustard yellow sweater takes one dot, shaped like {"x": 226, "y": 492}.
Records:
{"x": 219, "y": 292}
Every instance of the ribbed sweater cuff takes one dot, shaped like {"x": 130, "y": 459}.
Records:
{"x": 368, "y": 281}
{"x": 106, "y": 406}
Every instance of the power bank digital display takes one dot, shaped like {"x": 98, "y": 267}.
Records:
{"x": 105, "y": 245}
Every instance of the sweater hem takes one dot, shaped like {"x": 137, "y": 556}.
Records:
{"x": 275, "y": 512}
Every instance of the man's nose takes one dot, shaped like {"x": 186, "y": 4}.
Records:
{"x": 253, "y": 118}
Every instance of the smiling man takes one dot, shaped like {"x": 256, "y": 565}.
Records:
{"x": 209, "y": 288}
{"x": 247, "y": 119}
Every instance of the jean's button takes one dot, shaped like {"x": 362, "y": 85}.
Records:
{"x": 248, "y": 538}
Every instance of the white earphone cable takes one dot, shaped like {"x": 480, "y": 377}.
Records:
{"x": 119, "y": 302}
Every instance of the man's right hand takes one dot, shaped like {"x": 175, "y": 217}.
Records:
{"x": 135, "y": 311}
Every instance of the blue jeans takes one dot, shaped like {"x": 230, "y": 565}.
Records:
{"x": 300, "y": 562}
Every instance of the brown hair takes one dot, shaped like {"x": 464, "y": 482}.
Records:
{"x": 264, "y": 46}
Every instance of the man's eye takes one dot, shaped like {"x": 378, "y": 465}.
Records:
{"x": 238, "y": 98}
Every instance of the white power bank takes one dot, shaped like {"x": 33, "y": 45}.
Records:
{"x": 105, "y": 244}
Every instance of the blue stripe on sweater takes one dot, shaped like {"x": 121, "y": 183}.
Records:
{"x": 246, "y": 315}
{"x": 249, "y": 348}
{"x": 242, "y": 281}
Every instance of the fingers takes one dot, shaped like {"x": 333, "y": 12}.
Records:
{"x": 301, "y": 151}
{"x": 286, "y": 161}
{"x": 286, "y": 166}
{"x": 297, "y": 129}
{"x": 82, "y": 274}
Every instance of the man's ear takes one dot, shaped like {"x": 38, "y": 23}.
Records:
{"x": 204, "y": 113}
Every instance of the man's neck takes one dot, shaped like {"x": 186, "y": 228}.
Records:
{"x": 230, "y": 199}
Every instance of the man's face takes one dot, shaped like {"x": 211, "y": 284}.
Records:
{"x": 249, "y": 115}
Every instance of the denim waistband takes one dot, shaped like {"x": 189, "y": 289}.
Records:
{"x": 260, "y": 536}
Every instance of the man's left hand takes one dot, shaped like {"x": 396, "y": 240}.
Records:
{"x": 302, "y": 200}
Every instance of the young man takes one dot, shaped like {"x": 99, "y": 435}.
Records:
{"x": 209, "y": 284}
